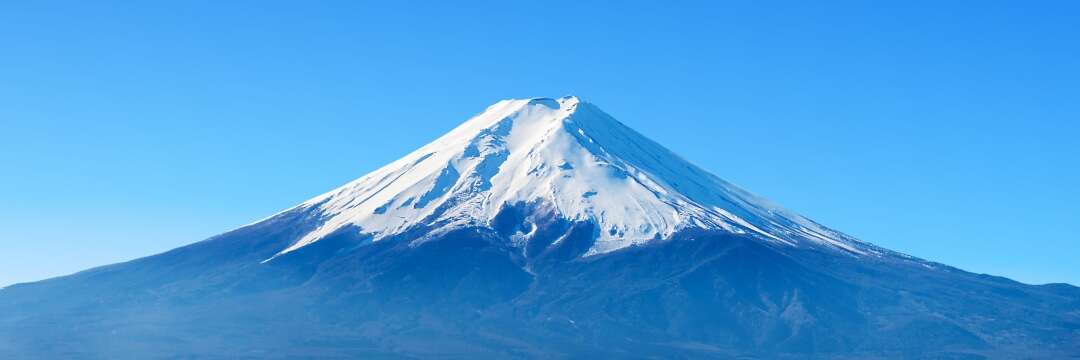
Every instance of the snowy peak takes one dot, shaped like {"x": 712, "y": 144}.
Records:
{"x": 574, "y": 159}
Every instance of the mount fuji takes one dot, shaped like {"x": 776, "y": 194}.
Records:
{"x": 539, "y": 228}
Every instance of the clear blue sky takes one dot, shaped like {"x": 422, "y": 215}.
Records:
{"x": 945, "y": 131}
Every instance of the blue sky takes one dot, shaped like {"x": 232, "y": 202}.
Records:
{"x": 945, "y": 131}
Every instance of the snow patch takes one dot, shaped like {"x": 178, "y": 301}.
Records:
{"x": 568, "y": 154}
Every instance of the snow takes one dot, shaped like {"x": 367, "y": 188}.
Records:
{"x": 571, "y": 156}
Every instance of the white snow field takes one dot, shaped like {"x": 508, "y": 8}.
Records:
{"x": 570, "y": 157}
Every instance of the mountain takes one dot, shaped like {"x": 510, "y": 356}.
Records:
{"x": 540, "y": 228}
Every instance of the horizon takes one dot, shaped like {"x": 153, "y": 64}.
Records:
{"x": 123, "y": 144}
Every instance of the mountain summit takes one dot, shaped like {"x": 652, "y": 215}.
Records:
{"x": 567, "y": 157}
{"x": 540, "y": 228}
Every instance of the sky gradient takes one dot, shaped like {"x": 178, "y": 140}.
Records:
{"x": 949, "y": 133}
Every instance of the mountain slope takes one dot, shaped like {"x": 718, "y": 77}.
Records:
{"x": 540, "y": 228}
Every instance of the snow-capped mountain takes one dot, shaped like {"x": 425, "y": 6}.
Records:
{"x": 540, "y": 228}
{"x": 570, "y": 157}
